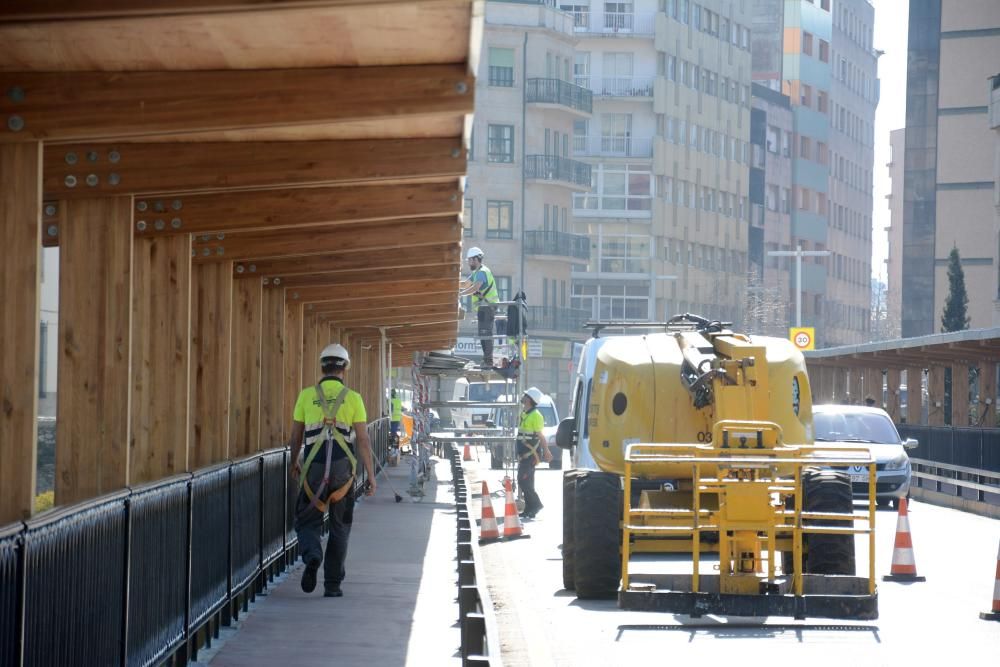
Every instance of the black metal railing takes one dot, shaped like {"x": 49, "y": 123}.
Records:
{"x": 556, "y": 168}
{"x": 559, "y": 244}
{"x": 557, "y": 91}
{"x": 545, "y": 318}
{"x": 140, "y": 576}
{"x": 968, "y": 447}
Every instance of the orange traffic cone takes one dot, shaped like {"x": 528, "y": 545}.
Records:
{"x": 488, "y": 529}
{"x": 511, "y": 521}
{"x": 467, "y": 455}
{"x": 994, "y": 614}
{"x": 904, "y": 567}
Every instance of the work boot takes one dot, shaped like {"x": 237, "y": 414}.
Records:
{"x": 309, "y": 576}
{"x": 333, "y": 592}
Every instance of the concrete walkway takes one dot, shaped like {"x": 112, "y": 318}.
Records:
{"x": 399, "y": 595}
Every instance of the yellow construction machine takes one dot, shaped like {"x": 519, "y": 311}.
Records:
{"x": 697, "y": 440}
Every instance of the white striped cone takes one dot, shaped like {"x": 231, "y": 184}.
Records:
{"x": 488, "y": 529}
{"x": 511, "y": 521}
{"x": 994, "y": 613}
{"x": 904, "y": 565}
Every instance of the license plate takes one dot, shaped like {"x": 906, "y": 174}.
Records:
{"x": 859, "y": 478}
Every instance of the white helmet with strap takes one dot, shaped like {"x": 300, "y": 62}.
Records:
{"x": 336, "y": 351}
{"x": 474, "y": 252}
{"x": 535, "y": 394}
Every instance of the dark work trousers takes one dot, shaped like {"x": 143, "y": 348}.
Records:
{"x": 526, "y": 478}
{"x": 309, "y": 521}
{"x": 485, "y": 315}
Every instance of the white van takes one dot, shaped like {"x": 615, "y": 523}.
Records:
{"x": 477, "y": 392}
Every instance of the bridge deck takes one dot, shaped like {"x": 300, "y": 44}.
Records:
{"x": 399, "y": 595}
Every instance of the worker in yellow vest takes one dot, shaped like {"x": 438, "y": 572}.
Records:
{"x": 329, "y": 419}
{"x": 485, "y": 297}
{"x": 531, "y": 450}
{"x": 396, "y": 404}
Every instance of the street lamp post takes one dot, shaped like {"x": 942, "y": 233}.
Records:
{"x": 798, "y": 254}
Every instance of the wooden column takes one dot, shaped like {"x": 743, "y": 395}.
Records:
{"x": 161, "y": 343}
{"x": 988, "y": 391}
{"x": 244, "y": 415}
{"x": 892, "y": 393}
{"x": 20, "y": 229}
{"x": 857, "y": 386}
{"x": 292, "y": 380}
{"x": 272, "y": 367}
{"x": 95, "y": 311}
{"x": 935, "y": 391}
{"x": 311, "y": 350}
{"x": 960, "y": 394}
{"x": 915, "y": 395}
{"x": 211, "y": 350}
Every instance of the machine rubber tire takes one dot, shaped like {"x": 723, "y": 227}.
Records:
{"x": 828, "y": 491}
{"x": 568, "y": 543}
{"x": 597, "y": 514}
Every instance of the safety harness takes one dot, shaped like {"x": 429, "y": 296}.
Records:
{"x": 530, "y": 440}
{"x": 333, "y": 434}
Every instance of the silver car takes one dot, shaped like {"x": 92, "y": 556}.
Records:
{"x": 853, "y": 425}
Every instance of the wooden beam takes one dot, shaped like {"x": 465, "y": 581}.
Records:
{"x": 301, "y": 207}
{"x": 95, "y": 296}
{"x": 161, "y": 342}
{"x": 440, "y": 272}
{"x": 211, "y": 351}
{"x": 345, "y": 312}
{"x": 273, "y": 349}
{"x": 350, "y": 302}
{"x": 368, "y": 237}
{"x": 146, "y": 168}
{"x": 915, "y": 395}
{"x": 309, "y": 294}
{"x": 92, "y": 9}
{"x": 343, "y": 262}
{"x": 135, "y": 104}
{"x": 960, "y": 394}
{"x": 441, "y": 314}
{"x": 935, "y": 395}
{"x": 20, "y": 216}
{"x": 244, "y": 415}
{"x": 292, "y": 381}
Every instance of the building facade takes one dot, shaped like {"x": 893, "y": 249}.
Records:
{"x": 522, "y": 178}
{"x": 894, "y": 257}
{"x": 948, "y": 201}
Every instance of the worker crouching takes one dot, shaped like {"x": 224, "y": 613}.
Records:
{"x": 532, "y": 449}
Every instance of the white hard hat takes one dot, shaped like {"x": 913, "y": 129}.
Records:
{"x": 335, "y": 351}
{"x": 473, "y": 252}
{"x": 535, "y": 394}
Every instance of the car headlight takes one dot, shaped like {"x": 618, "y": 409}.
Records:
{"x": 898, "y": 463}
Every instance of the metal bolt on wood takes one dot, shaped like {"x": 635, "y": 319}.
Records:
{"x": 253, "y": 268}
{"x": 220, "y": 250}
{"x": 159, "y": 206}
{"x": 455, "y": 152}
{"x": 267, "y": 281}
{"x": 159, "y": 224}
{"x": 461, "y": 87}
{"x": 177, "y": 205}
{"x": 114, "y": 157}
{"x": 92, "y": 180}
{"x": 53, "y": 230}
{"x": 206, "y": 252}
{"x": 295, "y": 295}
{"x": 71, "y": 158}
{"x": 50, "y": 209}
{"x": 114, "y": 179}
{"x": 277, "y": 281}
{"x": 204, "y": 237}
{"x": 141, "y": 206}
{"x": 240, "y": 268}
{"x": 220, "y": 236}
{"x": 15, "y": 94}
{"x": 92, "y": 156}
{"x": 141, "y": 225}
{"x": 176, "y": 223}
{"x": 15, "y": 123}
{"x": 70, "y": 181}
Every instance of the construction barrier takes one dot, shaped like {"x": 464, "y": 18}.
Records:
{"x": 904, "y": 565}
{"x": 994, "y": 613}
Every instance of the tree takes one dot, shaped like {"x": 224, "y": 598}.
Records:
{"x": 765, "y": 310}
{"x": 955, "y": 316}
{"x": 883, "y": 325}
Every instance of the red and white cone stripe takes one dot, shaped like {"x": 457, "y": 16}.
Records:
{"x": 488, "y": 528}
{"x": 511, "y": 521}
{"x": 904, "y": 565}
{"x": 994, "y": 613}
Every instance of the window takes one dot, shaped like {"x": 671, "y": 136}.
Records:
{"x": 581, "y": 69}
{"x": 467, "y": 218}
{"x": 503, "y": 287}
{"x": 617, "y": 187}
{"x": 805, "y": 148}
{"x": 624, "y": 254}
{"x": 822, "y": 102}
{"x": 500, "y": 143}
{"x": 824, "y": 50}
{"x": 785, "y": 196}
{"x": 822, "y": 154}
{"x": 807, "y": 43}
{"x": 773, "y": 139}
{"x": 499, "y": 219}
{"x": 672, "y": 68}
{"x": 771, "y": 198}
{"x": 501, "y": 67}
{"x": 613, "y": 302}
{"x": 617, "y": 73}
{"x": 806, "y": 95}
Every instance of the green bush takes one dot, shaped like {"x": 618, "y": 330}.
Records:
{"x": 44, "y": 501}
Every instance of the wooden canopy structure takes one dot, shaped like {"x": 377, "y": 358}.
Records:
{"x": 853, "y": 372}
{"x": 232, "y": 185}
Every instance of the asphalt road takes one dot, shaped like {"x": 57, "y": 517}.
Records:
{"x": 933, "y": 622}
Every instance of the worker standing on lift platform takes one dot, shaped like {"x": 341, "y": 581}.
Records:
{"x": 485, "y": 296}
{"x": 532, "y": 449}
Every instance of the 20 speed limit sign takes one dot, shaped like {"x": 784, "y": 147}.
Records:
{"x": 804, "y": 338}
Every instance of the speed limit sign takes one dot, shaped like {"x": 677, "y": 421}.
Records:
{"x": 804, "y": 338}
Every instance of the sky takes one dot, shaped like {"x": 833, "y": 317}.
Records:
{"x": 891, "y": 20}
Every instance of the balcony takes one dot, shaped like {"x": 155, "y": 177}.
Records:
{"x": 557, "y": 169}
{"x": 563, "y": 93}
{"x": 624, "y": 24}
{"x": 557, "y": 244}
{"x": 544, "y": 318}
{"x": 612, "y": 146}
{"x": 621, "y": 86}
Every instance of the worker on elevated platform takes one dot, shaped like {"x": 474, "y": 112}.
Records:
{"x": 329, "y": 419}
{"x": 485, "y": 296}
{"x": 532, "y": 449}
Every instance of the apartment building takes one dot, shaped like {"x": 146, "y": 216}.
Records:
{"x": 522, "y": 178}
{"x": 948, "y": 180}
{"x": 894, "y": 258}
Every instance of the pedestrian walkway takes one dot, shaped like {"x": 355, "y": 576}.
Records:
{"x": 399, "y": 603}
